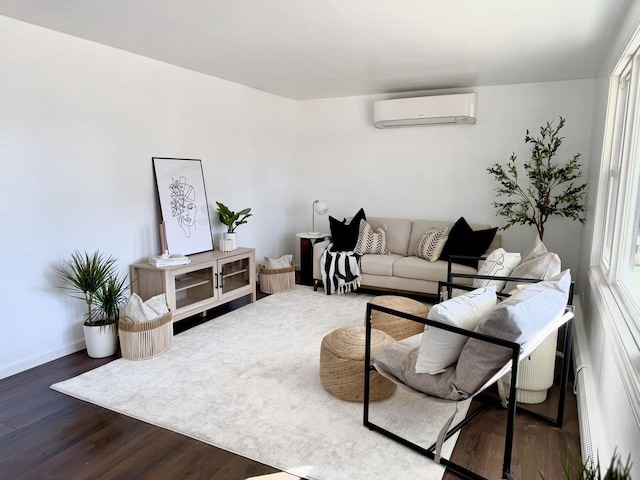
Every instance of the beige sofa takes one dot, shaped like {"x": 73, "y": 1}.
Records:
{"x": 403, "y": 270}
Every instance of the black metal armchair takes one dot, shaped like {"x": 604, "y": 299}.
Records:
{"x": 517, "y": 353}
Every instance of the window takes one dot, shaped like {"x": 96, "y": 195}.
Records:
{"x": 620, "y": 256}
{"x": 615, "y": 272}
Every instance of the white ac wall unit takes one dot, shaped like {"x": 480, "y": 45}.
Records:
{"x": 435, "y": 110}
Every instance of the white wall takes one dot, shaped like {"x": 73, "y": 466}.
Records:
{"x": 436, "y": 172}
{"x": 79, "y": 123}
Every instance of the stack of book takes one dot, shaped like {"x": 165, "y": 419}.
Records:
{"x": 169, "y": 260}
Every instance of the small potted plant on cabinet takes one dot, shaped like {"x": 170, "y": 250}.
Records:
{"x": 232, "y": 220}
{"x": 93, "y": 278}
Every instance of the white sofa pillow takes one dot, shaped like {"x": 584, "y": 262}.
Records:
{"x": 499, "y": 263}
{"x": 441, "y": 348}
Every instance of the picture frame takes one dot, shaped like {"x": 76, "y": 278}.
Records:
{"x": 183, "y": 205}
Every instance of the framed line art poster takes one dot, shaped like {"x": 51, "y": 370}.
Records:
{"x": 183, "y": 205}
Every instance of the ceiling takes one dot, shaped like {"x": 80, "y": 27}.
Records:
{"x": 305, "y": 49}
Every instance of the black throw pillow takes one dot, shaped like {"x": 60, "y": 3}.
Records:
{"x": 463, "y": 240}
{"x": 345, "y": 235}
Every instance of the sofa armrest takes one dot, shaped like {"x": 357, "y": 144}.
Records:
{"x": 318, "y": 248}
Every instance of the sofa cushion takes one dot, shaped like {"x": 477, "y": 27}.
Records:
{"x": 345, "y": 234}
{"x": 370, "y": 241}
{"x": 398, "y": 233}
{"x": 463, "y": 240}
{"x": 420, "y": 227}
{"x": 421, "y": 269}
{"x": 374, "y": 264}
{"x": 432, "y": 243}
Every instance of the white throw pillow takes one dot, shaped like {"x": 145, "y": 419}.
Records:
{"x": 140, "y": 311}
{"x": 432, "y": 243}
{"x": 370, "y": 241}
{"x": 275, "y": 263}
{"x": 441, "y": 348}
{"x": 499, "y": 263}
{"x": 537, "y": 263}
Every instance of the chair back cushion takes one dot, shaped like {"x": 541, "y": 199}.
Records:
{"x": 440, "y": 348}
{"x": 515, "y": 319}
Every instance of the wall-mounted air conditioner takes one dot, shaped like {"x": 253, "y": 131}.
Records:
{"x": 435, "y": 110}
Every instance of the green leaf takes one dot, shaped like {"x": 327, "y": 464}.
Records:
{"x": 546, "y": 192}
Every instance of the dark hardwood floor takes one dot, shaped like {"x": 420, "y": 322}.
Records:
{"x": 48, "y": 435}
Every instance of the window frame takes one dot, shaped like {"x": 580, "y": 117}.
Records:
{"x": 620, "y": 161}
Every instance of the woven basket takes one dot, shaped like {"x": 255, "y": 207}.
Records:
{"x": 277, "y": 280}
{"x": 142, "y": 340}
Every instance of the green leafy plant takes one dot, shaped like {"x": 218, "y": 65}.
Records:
{"x": 232, "y": 219}
{"x": 590, "y": 470}
{"x": 85, "y": 274}
{"x": 551, "y": 189}
{"x": 109, "y": 299}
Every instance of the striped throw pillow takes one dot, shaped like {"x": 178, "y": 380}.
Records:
{"x": 370, "y": 241}
{"x": 432, "y": 243}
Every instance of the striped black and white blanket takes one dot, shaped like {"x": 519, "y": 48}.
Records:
{"x": 340, "y": 271}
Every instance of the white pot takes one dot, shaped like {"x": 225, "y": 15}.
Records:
{"x": 234, "y": 239}
{"x": 101, "y": 341}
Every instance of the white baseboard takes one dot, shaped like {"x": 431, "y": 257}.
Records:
{"x": 21, "y": 366}
{"x": 583, "y": 387}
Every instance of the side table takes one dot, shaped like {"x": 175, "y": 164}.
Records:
{"x": 307, "y": 241}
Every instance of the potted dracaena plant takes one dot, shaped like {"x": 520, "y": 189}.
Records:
{"x": 232, "y": 220}
{"x": 93, "y": 278}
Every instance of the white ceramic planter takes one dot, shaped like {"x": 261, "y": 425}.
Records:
{"x": 535, "y": 373}
{"x": 101, "y": 341}
{"x": 234, "y": 239}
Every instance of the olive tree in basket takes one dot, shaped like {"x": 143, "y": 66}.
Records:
{"x": 550, "y": 189}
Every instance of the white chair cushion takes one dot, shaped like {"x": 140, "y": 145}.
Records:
{"x": 499, "y": 263}
{"x": 441, "y": 348}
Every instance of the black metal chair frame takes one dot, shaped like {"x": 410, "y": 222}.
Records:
{"x": 485, "y": 400}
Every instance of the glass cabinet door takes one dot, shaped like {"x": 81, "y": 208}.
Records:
{"x": 234, "y": 274}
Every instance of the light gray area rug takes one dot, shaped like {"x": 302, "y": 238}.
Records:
{"x": 248, "y": 382}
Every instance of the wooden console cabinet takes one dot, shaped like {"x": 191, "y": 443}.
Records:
{"x": 211, "y": 279}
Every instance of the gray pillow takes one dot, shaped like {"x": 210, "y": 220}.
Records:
{"x": 397, "y": 361}
{"x": 540, "y": 268}
{"x": 515, "y": 319}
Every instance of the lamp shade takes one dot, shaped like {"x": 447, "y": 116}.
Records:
{"x": 320, "y": 208}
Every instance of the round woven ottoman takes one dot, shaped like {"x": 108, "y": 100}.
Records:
{"x": 399, "y": 328}
{"x": 342, "y": 364}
